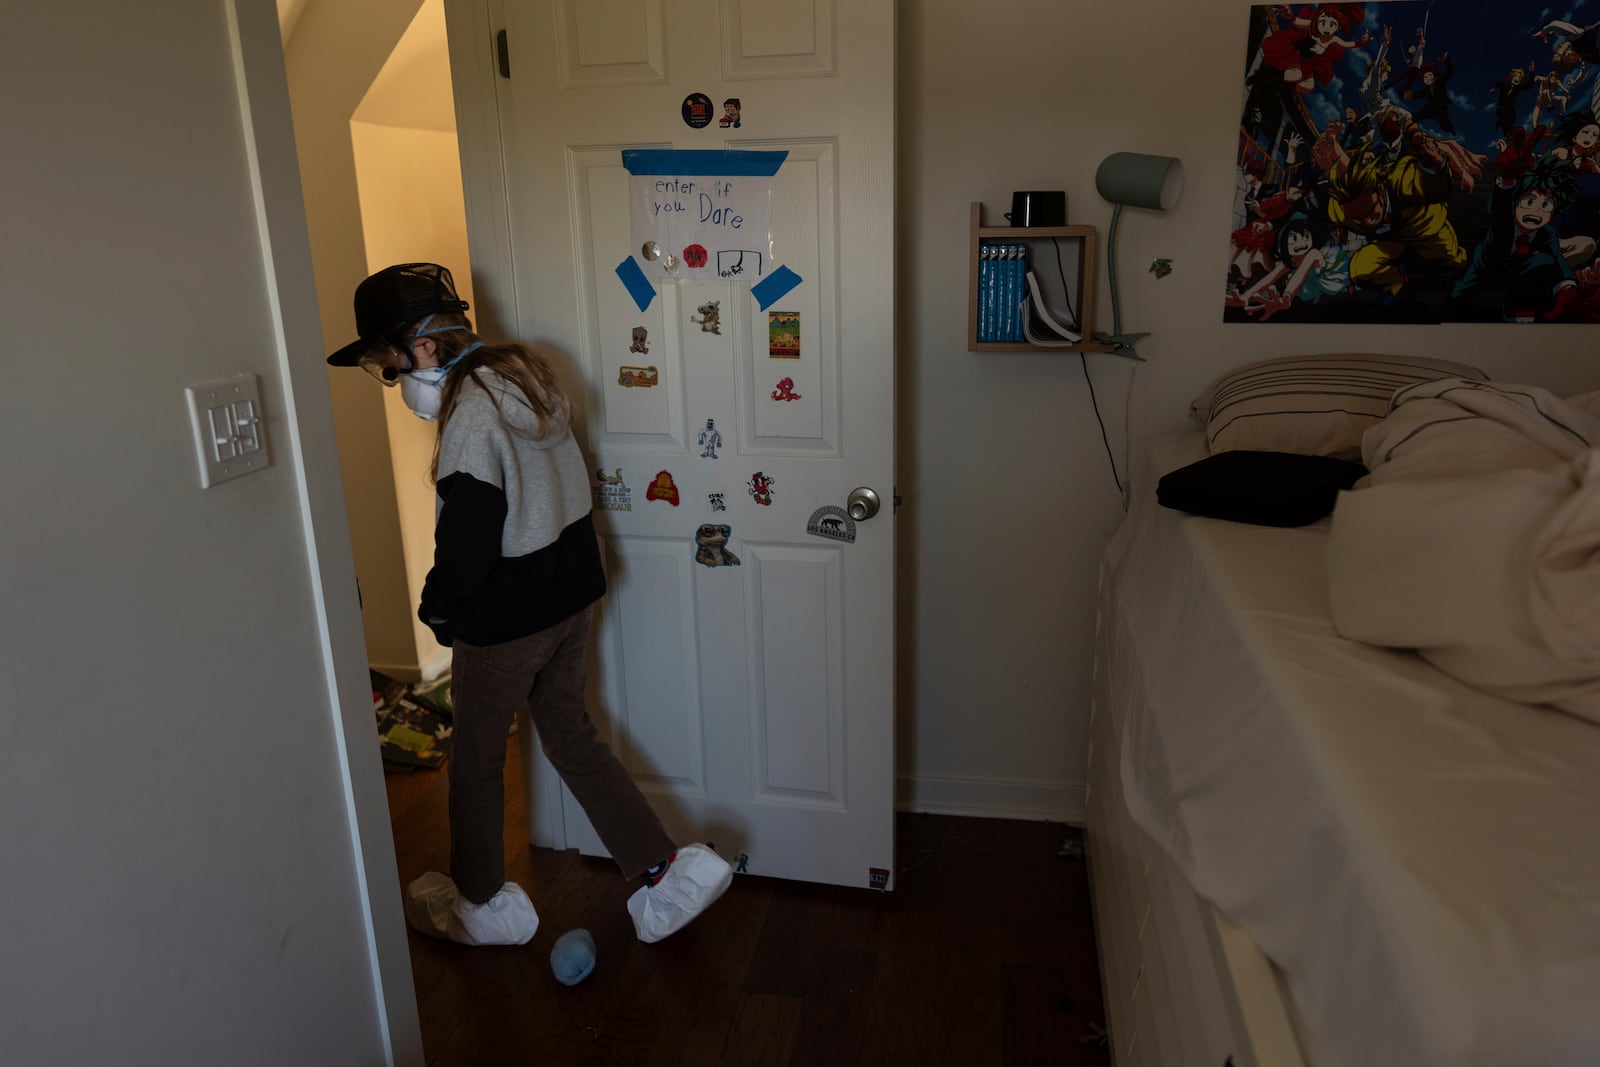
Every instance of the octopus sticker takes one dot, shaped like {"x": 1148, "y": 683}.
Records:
{"x": 663, "y": 488}
{"x": 785, "y": 390}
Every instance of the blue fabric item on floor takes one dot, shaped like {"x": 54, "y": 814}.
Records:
{"x": 572, "y": 956}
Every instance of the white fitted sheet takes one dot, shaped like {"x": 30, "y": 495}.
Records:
{"x": 1421, "y": 859}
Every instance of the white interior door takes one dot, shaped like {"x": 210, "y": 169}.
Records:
{"x": 752, "y": 702}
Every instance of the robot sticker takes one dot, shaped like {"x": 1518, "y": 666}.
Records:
{"x": 761, "y": 488}
{"x": 730, "y": 113}
{"x": 710, "y": 440}
{"x": 710, "y": 546}
{"x": 833, "y": 523}
{"x": 663, "y": 488}
{"x": 628, "y": 377}
{"x": 612, "y": 494}
{"x": 710, "y": 320}
{"x": 783, "y": 334}
{"x": 785, "y": 390}
{"x": 641, "y": 341}
{"x": 716, "y": 502}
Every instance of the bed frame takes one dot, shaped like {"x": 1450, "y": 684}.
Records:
{"x": 1183, "y": 986}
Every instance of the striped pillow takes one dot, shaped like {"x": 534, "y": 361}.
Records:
{"x": 1311, "y": 405}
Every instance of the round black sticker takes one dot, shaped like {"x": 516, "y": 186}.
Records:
{"x": 697, "y": 110}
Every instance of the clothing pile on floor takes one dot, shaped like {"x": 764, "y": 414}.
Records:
{"x": 414, "y": 722}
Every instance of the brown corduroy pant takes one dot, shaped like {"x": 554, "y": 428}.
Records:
{"x": 488, "y": 684}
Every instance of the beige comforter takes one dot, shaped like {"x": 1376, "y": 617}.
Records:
{"x": 1476, "y": 540}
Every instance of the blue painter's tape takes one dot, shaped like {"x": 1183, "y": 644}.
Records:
{"x": 636, "y": 283}
{"x": 710, "y": 161}
{"x": 770, "y": 289}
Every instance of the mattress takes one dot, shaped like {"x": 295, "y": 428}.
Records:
{"x": 1421, "y": 859}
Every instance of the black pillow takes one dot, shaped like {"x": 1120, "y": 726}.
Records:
{"x": 1262, "y": 488}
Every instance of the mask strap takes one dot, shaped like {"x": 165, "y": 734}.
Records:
{"x": 470, "y": 348}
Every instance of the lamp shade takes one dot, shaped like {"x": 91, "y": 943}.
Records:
{"x": 1136, "y": 180}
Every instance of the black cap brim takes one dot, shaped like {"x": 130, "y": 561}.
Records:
{"x": 350, "y": 355}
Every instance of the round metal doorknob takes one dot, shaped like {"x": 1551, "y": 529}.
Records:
{"x": 863, "y": 503}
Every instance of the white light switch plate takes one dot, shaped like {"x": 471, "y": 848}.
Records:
{"x": 230, "y": 434}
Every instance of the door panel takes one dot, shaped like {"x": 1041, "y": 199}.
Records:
{"x": 752, "y": 701}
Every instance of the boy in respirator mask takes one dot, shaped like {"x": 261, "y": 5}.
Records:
{"x": 515, "y": 577}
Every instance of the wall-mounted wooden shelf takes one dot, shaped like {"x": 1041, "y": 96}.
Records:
{"x": 1085, "y": 238}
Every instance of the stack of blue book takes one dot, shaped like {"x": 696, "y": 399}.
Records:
{"x": 1001, "y": 291}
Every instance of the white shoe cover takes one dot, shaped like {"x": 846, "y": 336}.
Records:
{"x": 435, "y": 907}
{"x": 694, "y": 881}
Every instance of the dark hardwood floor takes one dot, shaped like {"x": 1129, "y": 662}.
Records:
{"x": 983, "y": 955}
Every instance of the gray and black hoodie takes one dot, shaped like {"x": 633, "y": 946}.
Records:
{"x": 514, "y": 545}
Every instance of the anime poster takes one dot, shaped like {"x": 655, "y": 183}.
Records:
{"x": 1417, "y": 161}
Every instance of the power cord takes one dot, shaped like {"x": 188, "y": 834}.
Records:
{"x": 1083, "y": 358}
{"x": 1127, "y": 418}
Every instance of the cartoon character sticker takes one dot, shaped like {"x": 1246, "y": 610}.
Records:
{"x": 612, "y": 494}
{"x": 641, "y": 341}
{"x": 663, "y": 488}
{"x": 761, "y": 488}
{"x": 710, "y": 320}
{"x": 785, "y": 390}
{"x": 730, "y": 113}
{"x": 783, "y": 334}
{"x": 710, "y": 440}
{"x": 716, "y": 502}
{"x": 710, "y": 546}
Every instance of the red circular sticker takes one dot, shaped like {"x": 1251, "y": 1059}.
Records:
{"x": 695, "y": 256}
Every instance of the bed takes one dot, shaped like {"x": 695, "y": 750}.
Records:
{"x": 1307, "y": 851}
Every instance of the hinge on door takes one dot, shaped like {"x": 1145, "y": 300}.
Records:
{"x": 503, "y": 51}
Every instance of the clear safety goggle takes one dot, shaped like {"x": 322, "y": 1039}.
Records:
{"x": 383, "y": 361}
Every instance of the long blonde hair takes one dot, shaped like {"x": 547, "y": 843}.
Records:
{"x": 513, "y": 361}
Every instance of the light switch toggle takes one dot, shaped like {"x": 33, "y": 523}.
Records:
{"x": 230, "y": 435}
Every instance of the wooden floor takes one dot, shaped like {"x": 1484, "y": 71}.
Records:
{"x": 983, "y": 955}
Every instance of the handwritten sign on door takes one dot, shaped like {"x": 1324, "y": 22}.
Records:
{"x": 701, "y": 214}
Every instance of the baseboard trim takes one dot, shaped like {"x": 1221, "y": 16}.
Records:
{"x": 992, "y": 798}
{"x": 434, "y": 666}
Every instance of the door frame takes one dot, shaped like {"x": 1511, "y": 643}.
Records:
{"x": 312, "y": 453}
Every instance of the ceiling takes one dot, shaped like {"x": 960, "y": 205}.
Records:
{"x": 413, "y": 89}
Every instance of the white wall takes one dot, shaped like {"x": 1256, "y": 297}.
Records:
{"x": 412, "y": 211}
{"x": 337, "y": 49}
{"x": 1008, "y": 496}
{"x": 181, "y": 874}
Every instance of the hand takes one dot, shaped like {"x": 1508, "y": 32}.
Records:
{"x": 1365, "y": 38}
{"x": 1516, "y": 156}
{"x": 1272, "y": 302}
{"x": 1326, "y": 152}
